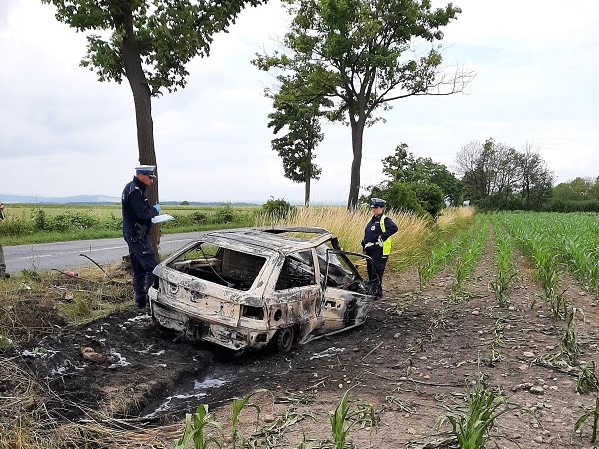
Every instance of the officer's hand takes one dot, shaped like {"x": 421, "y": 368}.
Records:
{"x": 157, "y": 207}
{"x": 380, "y": 242}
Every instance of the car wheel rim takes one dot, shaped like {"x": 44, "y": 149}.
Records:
{"x": 285, "y": 339}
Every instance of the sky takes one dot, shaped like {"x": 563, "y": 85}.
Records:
{"x": 63, "y": 133}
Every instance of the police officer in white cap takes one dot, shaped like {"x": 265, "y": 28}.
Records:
{"x": 377, "y": 243}
{"x": 137, "y": 229}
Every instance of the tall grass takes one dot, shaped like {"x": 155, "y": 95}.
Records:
{"x": 409, "y": 243}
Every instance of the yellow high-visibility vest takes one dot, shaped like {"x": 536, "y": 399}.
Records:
{"x": 386, "y": 243}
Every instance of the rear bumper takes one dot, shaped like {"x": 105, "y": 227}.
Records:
{"x": 198, "y": 329}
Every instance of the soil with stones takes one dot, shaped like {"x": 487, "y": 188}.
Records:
{"x": 413, "y": 360}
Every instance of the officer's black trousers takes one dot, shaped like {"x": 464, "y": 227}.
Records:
{"x": 376, "y": 268}
{"x": 143, "y": 262}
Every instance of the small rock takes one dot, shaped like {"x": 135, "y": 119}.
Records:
{"x": 528, "y": 354}
{"x": 537, "y": 390}
{"x": 475, "y": 312}
{"x": 397, "y": 335}
{"x": 539, "y": 439}
{"x": 340, "y": 385}
{"x": 268, "y": 418}
{"x": 524, "y": 386}
{"x": 511, "y": 308}
{"x": 523, "y": 367}
{"x": 91, "y": 355}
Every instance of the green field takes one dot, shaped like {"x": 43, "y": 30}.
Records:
{"x": 26, "y": 223}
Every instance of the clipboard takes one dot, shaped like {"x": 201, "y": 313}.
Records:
{"x": 162, "y": 218}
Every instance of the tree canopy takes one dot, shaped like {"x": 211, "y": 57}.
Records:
{"x": 362, "y": 55}
{"x": 496, "y": 175}
{"x": 148, "y": 42}
{"x": 416, "y": 183}
{"x": 299, "y": 114}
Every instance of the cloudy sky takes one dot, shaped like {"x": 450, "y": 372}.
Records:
{"x": 63, "y": 133}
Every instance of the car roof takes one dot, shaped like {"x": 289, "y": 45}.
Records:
{"x": 283, "y": 239}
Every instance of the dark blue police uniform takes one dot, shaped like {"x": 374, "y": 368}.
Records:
{"x": 137, "y": 229}
{"x": 376, "y": 244}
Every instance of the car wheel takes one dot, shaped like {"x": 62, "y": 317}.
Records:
{"x": 285, "y": 339}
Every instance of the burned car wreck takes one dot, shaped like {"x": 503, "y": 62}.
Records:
{"x": 251, "y": 287}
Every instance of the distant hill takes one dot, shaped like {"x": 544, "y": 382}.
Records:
{"x": 78, "y": 199}
{"x": 104, "y": 199}
{"x": 101, "y": 199}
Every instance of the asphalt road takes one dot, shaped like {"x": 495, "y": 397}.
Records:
{"x": 70, "y": 256}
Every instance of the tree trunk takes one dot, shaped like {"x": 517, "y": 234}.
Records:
{"x": 307, "y": 192}
{"x": 143, "y": 110}
{"x": 357, "y": 137}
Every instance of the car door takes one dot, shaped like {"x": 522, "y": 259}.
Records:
{"x": 347, "y": 296}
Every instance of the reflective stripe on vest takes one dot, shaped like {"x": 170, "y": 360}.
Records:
{"x": 386, "y": 243}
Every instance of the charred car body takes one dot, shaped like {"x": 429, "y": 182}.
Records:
{"x": 246, "y": 288}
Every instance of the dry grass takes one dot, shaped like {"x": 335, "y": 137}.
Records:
{"x": 453, "y": 218}
{"x": 409, "y": 243}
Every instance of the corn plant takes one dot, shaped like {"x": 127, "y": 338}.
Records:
{"x": 587, "y": 380}
{"x": 442, "y": 253}
{"x": 496, "y": 342}
{"x": 238, "y": 405}
{"x": 468, "y": 258}
{"x": 343, "y": 419}
{"x": 504, "y": 268}
{"x": 196, "y": 425}
{"x": 569, "y": 339}
{"x": 594, "y": 414}
{"x": 471, "y": 428}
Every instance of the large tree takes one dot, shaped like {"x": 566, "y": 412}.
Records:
{"x": 361, "y": 54}
{"x": 149, "y": 42}
{"x": 299, "y": 114}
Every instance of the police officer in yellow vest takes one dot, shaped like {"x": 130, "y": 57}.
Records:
{"x": 377, "y": 242}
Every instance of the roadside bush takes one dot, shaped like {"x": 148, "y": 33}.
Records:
{"x": 225, "y": 214}
{"x": 40, "y": 219}
{"x": 113, "y": 223}
{"x": 16, "y": 227}
{"x": 73, "y": 221}
{"x": 198, "y": 217}
{"x": 276, "y": 208}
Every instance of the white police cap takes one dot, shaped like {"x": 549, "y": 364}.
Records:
{"x": 146, "y": 170}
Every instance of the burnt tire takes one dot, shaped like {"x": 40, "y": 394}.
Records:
{"x": 284, "y": 339}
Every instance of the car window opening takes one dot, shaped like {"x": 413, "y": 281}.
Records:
{"x": 297, "y": 271}
{"x": 219, "y": 265}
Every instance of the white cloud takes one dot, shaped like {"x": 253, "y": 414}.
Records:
{"x": 64, "y": 133}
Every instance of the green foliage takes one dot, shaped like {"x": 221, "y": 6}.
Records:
{"x": 276, "y": 208}
{"x": 40, "y": 219}
{"x": 594, "y": 415}
{"x": 198, "y": 217}
{"x": 356, "y": 54}
{"x": 344, "y": 418}
{"x": 416, "y": 184}
{"x": 404, "y": 167}
{"x": 505, "y": 270}
{"x": 225, "y": 214}
{"x": 52, "y": 223}
{"x": 587, "y": 379}
{"x": 298, "y": 112}
{"x": 166, "y": 35}
{"x": 472, "y": 427}
{"x": 499, "y": 177}
{"x": 196, "y": 426}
